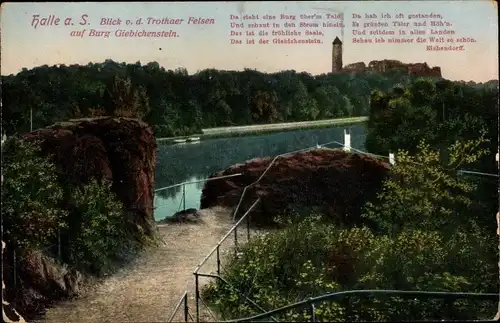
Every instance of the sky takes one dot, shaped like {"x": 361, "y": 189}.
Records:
{"x": 198, "y": 46}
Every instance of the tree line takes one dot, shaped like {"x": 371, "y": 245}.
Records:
{"x": 176, "y": 103}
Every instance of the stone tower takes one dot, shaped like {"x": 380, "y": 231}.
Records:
{"x": 336, "y": 55}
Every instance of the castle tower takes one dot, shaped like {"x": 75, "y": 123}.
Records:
{"x": 336, "y": 55}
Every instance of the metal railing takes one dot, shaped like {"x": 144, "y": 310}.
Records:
{"x": 234, "y": 228}
{"x": 408, "y": 294}
{"x": 183, "y": 301}
{"x": 345, "y": 145}
{"x": 182, "y": 202}
{"x": 311, "y": 301}
{"x": 233, "y": 232}
{"x": 194, "y": 182}
{"x": 217, "y": 251}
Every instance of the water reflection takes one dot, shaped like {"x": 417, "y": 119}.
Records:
{"x": 197, "y": 161}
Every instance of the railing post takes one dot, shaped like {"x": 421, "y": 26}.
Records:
{"x": 14, "y": 271}
{"x": 197, "y": 291}
{"x": 236, "y": 238}
{"x": 235, "y": 211}
{"x": 347, "y": 140}
{"x": 392, "y": 161}
{"x": 184, "y": 196}
{"x": 313, "y": 313}
{"x": 59, "y": 254}
{"x": 248, "y": 227}
{"x": 448, "y": 308}
{"x": 218, "y": 261}
{"x": 186, "y": 308}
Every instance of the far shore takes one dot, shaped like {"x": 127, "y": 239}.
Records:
{"x": 266, "y": 128}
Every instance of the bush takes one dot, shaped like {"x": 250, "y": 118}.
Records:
{"x": 310, "y": 259}
{"x": 275, "y": 270}
{"x": 91, "y": 229}
{"x": 31, "y": 196}
{"x": 101, "y": 237}
{"x": 424, "y": 191}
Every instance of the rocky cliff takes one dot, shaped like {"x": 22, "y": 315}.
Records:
{"x": 117, "y": 149}
{"x": 337, "y": 182}
{"x": 121, "y": 150}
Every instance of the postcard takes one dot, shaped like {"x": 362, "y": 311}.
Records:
{"x": 250, "y": 161}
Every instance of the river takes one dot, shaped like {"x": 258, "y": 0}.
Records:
{"x": 197, "y": 161}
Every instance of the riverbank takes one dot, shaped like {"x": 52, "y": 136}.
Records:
{"x": 262, "y": 129}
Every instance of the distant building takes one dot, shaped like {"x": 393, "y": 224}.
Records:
{"x": 337, "y": 55}
{"x": 383, "y": 66}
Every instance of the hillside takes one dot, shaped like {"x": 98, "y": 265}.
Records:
{"x": 177, "y": 103}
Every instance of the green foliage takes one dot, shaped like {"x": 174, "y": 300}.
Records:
{"x": 422, "y": 243}
{"x": 442, "y": 113}
{"x": 102, "y": 236}
{"x": 270, "y": 278}
{"x": 439, "y": 112}
{"x": 176, "y": 103}
{"x": 412, "y": 260}
{"x": 31, "y": 196}
{"x": 425, "y": 193}
{"x": 328, "y": 259}
{"x": 90, "y": 231}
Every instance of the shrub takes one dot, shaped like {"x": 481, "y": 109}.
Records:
{"x": 31, "y": 196}
{"x": 280, "y": 268}
{"x": 101, "y": 237}
{"x": 424, "y": 191}
{"x": 90, "y": 231}
{"x": 328, "y": 259}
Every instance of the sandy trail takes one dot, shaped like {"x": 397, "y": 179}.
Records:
{"x": 148, "y": 289}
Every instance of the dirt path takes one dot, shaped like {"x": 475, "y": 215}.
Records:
{"x": 149, "y": 289}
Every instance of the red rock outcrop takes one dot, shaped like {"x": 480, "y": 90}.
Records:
{"x": 338, "y": 182}
{"x": 39, "y": 282}
{"x": 121, "y": 150}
